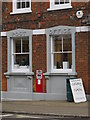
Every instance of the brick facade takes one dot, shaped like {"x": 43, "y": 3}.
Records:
{"x": 0, "y": 40}
{"x": 4, "y": 63}
{"x": 48, "y": 19}
{"x": 88, "y": 61}
{"x": 82, "y": 57}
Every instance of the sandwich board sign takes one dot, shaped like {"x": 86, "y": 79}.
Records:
{"x": 77, "y": 90}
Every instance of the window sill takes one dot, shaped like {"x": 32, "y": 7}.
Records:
{"x": 60, "y": 74}
{"x": 25, "y": 70}
{"x": 20, "y": 12}
{"x": 17, "y": 73}
{"x": 59, "y": 8}
{"x": 61, "y": 70}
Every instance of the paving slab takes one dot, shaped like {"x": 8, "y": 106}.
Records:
{"x": 47, "y": 107}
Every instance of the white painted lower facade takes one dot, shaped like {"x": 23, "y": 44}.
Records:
{"x": 20, "y": 87}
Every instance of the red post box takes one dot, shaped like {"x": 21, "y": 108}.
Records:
{"x": 39, "y": 80}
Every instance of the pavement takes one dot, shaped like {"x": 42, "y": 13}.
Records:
{"x": 62, "y": 108}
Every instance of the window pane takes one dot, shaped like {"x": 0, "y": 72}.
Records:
{"x": 58, "y": 61}
{"x": 56, "y": 1}
{"x": 23, "y": 4}
{"x": 70, "y": 60}
{"x": 66, "y": 1}
{"x": 18, "y": 5}
{"x": 27, "y": 4}
{"x": 62, "y": 61}
{"x": 61, "y": 1}
{"x": 21, "y": 60}
{"x": 17, "y": 48}
{"x": 25, "y": 45}
{"x": 57, "y": 44}
{"x": 67, "y": 45}
{"x": 67, "y": 60}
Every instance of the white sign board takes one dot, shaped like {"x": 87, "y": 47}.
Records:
{"x": 77, "y": 90}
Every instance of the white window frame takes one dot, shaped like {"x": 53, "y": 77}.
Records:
{"x": 21, "y": 10}
{"x": 53, "y": 6}
{"x": 54, "y": 70}
{"x": 20, "y": 69}
{"x": 59, "y": 30}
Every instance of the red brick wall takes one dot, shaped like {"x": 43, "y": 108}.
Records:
{"x": 0, "y": 12}
{"x": 0, "y": 42}
{"x": 46, "y": 20}
{"x": 4, "y": 63}
{"x": 89, "y": 54}
{"x": 39, "y": 57}
{"x": 39, "y": 52}
{"x": 82, "y": 57}
{"x": 89, "y": 62}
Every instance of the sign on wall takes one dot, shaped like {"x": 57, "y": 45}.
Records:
{"x": 77, "y": 90}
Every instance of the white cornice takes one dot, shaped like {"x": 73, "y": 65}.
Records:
{"x": 42, "y": 31}
{"x": 3, "y": 34}
{"x": 83, "y": 29}
{"x": 39, "y": 32}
